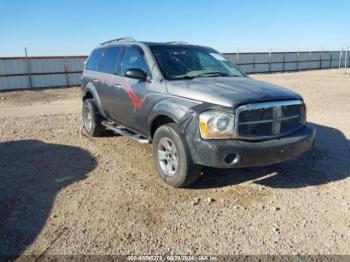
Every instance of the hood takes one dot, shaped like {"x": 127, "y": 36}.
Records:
{"x": 229, "y": 91}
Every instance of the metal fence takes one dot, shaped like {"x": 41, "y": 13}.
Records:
{"x": 288, "y": 61}
{"x": 40, "y": 72}
{"x": 65, "y": 71}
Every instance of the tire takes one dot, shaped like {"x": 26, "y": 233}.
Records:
{"x": 91, "y": 119}
{"x": 169, "y": 146}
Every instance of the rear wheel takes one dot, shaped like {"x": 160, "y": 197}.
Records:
{"x": 91, "y": 119}
{"x": 172, "y": 158}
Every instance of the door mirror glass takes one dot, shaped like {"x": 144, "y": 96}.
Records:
{"x": 136, "y": 73}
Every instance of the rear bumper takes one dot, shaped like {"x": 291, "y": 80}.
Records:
{"x": 236, "y": 153}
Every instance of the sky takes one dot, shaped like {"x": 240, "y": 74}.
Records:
{"x": 63, "y": 27}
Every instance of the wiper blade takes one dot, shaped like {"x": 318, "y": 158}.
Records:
{"x": 182, "y": 77}
{"x": 212, "y": 74}
{"x": 206, "y": 74}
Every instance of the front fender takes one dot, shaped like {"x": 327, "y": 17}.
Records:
{"x": 185, "y": 113}
{"x": 175, "y": 108}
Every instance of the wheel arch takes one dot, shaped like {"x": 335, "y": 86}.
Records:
{"x": 172, "y": 110}
{"x": 159, "y": 121}
{"x": 90, "y": 92}
{"x": 87, "y": 95}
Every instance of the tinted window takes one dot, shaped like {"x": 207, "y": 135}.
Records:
{"x": 94, "y": 60}
{"x": 133, "y": 59}
{"x": 111, "y": 59}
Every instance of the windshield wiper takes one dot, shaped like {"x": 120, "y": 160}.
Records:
{"x": 182, "y": 77}
{"x": 206, "y": 74}
{"x": 212, "y": 74}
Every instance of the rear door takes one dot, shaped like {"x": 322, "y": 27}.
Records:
{"x": 109, "y": 80}
{"x": 91, "y": 73}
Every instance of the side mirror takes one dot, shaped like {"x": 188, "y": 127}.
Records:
{"x": 136, "y": 73}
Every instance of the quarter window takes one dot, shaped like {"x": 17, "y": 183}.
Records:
{"x": 133, "y": 59}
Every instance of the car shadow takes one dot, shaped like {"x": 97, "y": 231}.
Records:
{"x": 328, "y": 161}
{"x": 31, "y": 174}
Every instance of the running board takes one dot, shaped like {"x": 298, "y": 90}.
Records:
{"x": 125, "y": 132}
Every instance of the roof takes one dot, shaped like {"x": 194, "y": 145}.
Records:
{"x": 130, "y": 41}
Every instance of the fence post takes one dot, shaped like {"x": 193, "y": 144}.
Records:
{"x": 346, "y": 59}
{"x": 298, "y": 60}
{"x": 237, "y": 57}
{"x": 270, "y": 60}
{"x": 340, "y": 57}
{"x": 330, "y": 61}
{"x": 321, "y": 59}
{"x": 310, "y": 59}
{"x": 28, "y": 69}
{"x": 254, "y": 58}
{"x": 284, "y": 61}
{"x": 307, "y": 68}
{"x": 66, "y": 71}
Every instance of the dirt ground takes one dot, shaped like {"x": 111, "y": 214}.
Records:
{"x": 63, "y": 193}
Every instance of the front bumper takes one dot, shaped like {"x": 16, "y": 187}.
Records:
{"x": 237, "y": 153}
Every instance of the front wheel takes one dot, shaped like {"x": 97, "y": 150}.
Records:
{"x": 172, "y": 158}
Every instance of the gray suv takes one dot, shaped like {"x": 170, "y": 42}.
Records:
{"x": 193, "y": 105}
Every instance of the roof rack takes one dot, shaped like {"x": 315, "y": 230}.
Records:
{"x": 177, "y": 43}
{"x": 128, "y": 39}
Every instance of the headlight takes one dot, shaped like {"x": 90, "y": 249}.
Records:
{"x": 216, "y": 125}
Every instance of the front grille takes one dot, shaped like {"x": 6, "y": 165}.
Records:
{"x": 256, "y": 115}
{"x": 269, "y": 120}
{"x": 263, "y": 129}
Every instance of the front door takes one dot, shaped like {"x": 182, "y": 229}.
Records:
{"x": 131, "y": 92}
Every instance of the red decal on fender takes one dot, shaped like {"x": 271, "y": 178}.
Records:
{"x": 134, "y": 99}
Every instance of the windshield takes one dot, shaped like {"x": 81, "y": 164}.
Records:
{"x": 186, "y": 62}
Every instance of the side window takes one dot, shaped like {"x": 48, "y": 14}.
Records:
{"x": 94, "y": 60}
{"x": 133, "y": 59}
{"x": 111, "y": 59}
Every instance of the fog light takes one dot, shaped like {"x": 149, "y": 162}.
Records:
{"x": 230, "y": 158}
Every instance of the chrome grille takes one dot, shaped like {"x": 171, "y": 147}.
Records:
{"x": 269, "y": 120}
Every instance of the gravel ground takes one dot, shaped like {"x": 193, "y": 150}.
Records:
{"x": 64, "y": 193}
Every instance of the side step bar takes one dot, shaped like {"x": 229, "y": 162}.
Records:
{"x": 124, "y": 132}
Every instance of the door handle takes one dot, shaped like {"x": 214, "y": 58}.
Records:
{"x": 95, "y": 80}
{"x": 117, "y": 86}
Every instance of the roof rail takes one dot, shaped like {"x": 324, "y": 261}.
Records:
{"x": 177, "y": 43}
{"x": 119, "y": 40}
